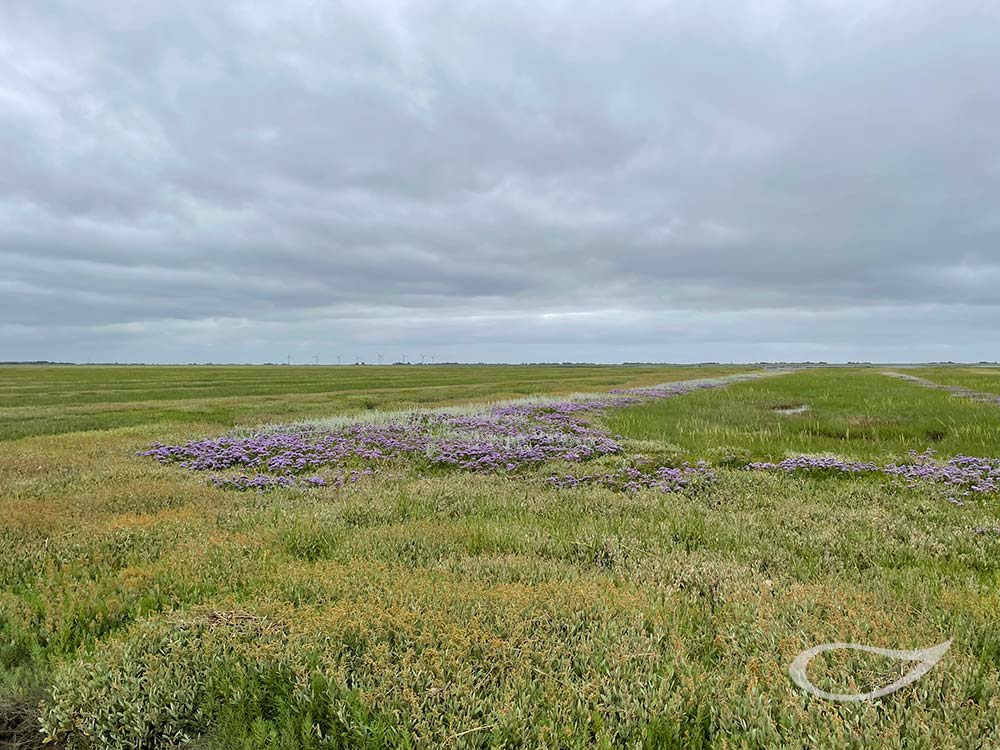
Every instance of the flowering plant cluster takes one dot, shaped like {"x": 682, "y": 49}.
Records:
{"x": 963, "y": 474}
{"x": 506, "y": 438}
{"x": 630, "y": 479}
{"x": 268, "y": 482}
{"x": 503, "y": 438}
{"x": 255, "y": 482}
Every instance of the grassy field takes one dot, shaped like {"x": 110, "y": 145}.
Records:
{"x": 983, "y": 379}
{"x": 53, "y": 400}
{"x": 423, "y": 609}
{"x": 857, "y": 414}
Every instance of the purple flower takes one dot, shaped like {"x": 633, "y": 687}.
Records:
{"x": 502, "y": 439}
{"x": 964, "y": 474}
{"x": 629, "y": 479}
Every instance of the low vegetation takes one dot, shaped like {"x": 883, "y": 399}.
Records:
{"x": 434, "y": 605}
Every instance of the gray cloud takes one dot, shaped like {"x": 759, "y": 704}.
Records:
{"x": 499, "y": 181}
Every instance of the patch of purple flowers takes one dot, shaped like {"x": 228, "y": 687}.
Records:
{"x": 270, "y": 482}
{"x": 255, "y": 482}
{"x": 965, "y": 475}
{"x": 504, "y": 438}
{"x": 630, "y": 479}
{"x": 815, "y": 463}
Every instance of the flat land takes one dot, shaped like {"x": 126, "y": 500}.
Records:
{"x": 982, "y": 379}
{"x": 53, "y": 400}
{"x": 145, "y": 607}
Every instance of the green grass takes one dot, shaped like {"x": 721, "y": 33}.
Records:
{"x": 37, "y": 400}
{"x": 467, "y": 611}
{"x": 858, "y": 414}
{"x": 983, "y": 379}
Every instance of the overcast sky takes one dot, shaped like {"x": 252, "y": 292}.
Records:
{"x": 511, "y": 181}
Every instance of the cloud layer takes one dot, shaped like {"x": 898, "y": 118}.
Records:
{"x": 510, "y": 181}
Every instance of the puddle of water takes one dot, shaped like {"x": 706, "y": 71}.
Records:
{"x": 793, "y": 409}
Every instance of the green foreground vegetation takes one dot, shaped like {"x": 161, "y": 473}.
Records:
{"x": 145, "y": 608}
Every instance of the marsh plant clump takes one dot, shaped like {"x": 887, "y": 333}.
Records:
{"x": 632, "y": 479}
{"x": 964, "y": 475}
{"x": 504, "y": 438}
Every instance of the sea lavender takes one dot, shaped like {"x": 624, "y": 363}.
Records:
{"x": 268, "y": 482}
{"x": 964, "y": 475}
{"x": 503, "y": 438}
{"x": 630, "y": 479}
